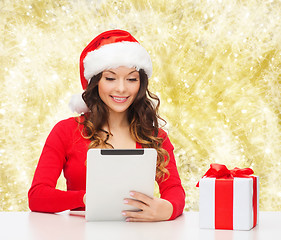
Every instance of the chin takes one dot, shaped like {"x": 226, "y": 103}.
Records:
{"x": 119, "y": 110}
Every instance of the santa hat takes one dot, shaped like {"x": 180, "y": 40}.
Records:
{"x": 110, "y": 49}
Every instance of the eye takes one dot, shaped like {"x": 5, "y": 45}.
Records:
{"x": 132, "y": 79}
{"x": 109, "y": 79}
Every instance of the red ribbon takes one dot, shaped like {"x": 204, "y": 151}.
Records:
{"x": 220, "y": 171}
{"x": 224, "y": 193}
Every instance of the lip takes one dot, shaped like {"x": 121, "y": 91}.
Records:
{"x": 119, "y": 99}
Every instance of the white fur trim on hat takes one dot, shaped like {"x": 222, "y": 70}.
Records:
{"x": 77, "y": 104}
{"x": 114, "y": 55}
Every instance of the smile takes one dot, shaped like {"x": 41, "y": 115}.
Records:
{"x": 119, "y": 99}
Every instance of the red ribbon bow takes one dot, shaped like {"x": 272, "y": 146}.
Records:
{"x": 220, "y": 171}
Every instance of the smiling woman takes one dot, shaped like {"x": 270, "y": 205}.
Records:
{"x": 116, "y": 112}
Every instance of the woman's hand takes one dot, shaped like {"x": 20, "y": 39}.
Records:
{"x": 152, "y": 209}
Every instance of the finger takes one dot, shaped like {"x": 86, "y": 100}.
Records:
{"x": 141, "y": 197}
{"x": 135, "y": 203}
{"x": 134, "y": 214}
{"x": 137, "y": 220}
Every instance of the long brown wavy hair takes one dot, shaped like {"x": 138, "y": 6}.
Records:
{"x": 142, "y": 116}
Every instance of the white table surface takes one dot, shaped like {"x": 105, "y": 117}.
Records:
{"x": 67, "y": 226}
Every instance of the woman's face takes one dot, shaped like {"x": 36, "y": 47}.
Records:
{"x": 119, "y": 87}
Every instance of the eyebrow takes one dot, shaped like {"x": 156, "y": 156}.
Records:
{"x": 115, "y": 73}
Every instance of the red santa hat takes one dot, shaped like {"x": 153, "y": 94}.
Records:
{"x": 110, "y": 49}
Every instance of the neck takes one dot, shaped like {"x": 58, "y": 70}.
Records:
{"x": 117, "y": 121}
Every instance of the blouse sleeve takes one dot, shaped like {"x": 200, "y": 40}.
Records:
{"x": 171, "y": 189}
{"x": 43, "y": 195}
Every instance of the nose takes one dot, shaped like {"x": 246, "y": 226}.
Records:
{"x": 121, "y": 86}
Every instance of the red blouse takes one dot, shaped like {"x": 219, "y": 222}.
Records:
{"x": 66, "y": 150}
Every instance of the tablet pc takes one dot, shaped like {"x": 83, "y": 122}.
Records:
{"x": 111, "y": 175}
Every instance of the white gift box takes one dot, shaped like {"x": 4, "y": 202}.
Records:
{"x": 229, "y": 203}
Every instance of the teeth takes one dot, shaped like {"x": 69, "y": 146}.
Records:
{"x": 119, "y": 99}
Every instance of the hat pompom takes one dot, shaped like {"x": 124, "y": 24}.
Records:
{"x": 77, "y": 104}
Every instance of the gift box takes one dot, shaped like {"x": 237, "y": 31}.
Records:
{"x": 229, "y": 199}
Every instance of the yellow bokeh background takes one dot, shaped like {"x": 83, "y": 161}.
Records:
{"x": 216, "y": 69}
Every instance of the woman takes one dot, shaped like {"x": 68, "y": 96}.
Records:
{"x": 118, "y": 113}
